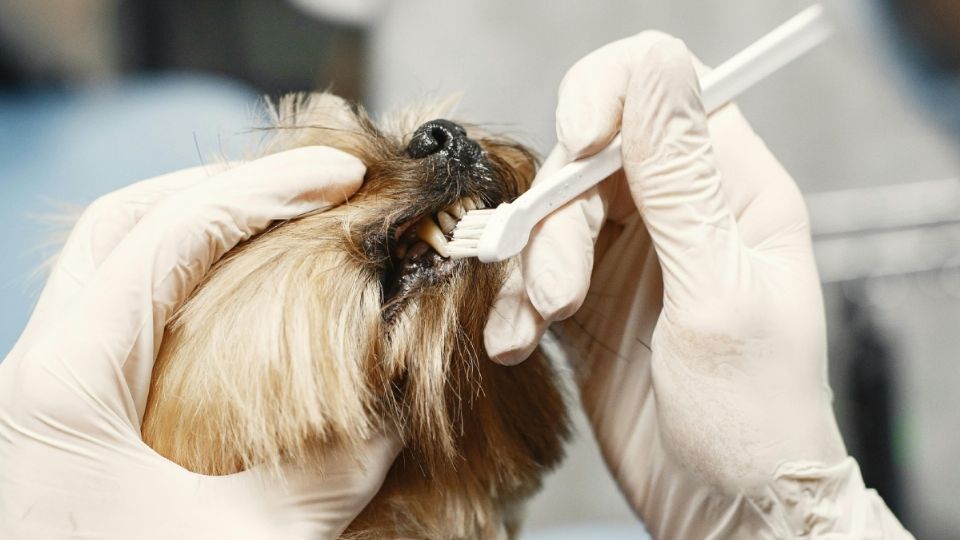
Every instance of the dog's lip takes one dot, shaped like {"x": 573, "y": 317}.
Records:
{"x": 411, "y": 270}
{"x": 416, "y": 255}
{"x": 405, "y": 225}
{"x": 434, "y": 227}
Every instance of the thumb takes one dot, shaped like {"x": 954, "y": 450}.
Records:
{"x": 106, "y": 340}
{"x": 317, "y": 502}
{"x": 667, "y": 158}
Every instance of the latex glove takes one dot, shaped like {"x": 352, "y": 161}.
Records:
{"x": 73, "y": 390}
{"x": 702, "y": 329}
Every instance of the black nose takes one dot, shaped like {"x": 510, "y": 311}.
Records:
{"x": 443, "y": 138}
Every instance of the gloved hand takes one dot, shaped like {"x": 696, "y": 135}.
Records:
{"x": 702, "y": 328}
{"x": 73, "y": 390}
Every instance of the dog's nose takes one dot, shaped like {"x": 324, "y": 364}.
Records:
{"x": 443, "y": 138}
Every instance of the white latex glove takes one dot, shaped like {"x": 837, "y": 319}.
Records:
{"x": 702, "y": 329}
{"x": 73, "y": 390}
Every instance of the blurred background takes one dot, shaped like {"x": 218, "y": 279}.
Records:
{"x": 97, "y": 94}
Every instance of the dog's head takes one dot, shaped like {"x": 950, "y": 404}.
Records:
{"x": 421, "y": 178}
{"x": 342, "y": 320}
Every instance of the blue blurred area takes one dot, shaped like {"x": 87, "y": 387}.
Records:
{"x": 69, "y": 147}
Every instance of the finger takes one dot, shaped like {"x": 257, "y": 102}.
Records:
{"x": 99, "y": 229}
{"x": 587, "y": 117}
{"x": 591, "y": 95}
{"x": 117, "y": 322}
{"x": 514, "y": 327}
{"x": 558, "y": 259}
{"x": 589, "y": 112}
{"x": 667, "y": 155}
{"x": 109, "y": 218}
{"x": 762, "y": 195}
{"x": 316, "y": 502}
{"x": 670, "y": 167}
{"x": 765, "y": 200}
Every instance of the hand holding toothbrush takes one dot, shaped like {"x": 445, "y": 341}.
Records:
{"x": 689, "y": 289}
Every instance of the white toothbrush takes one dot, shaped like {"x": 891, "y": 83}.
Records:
{"x": 497, "y": 234}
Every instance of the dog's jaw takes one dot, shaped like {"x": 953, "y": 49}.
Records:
{"x": 407, "y": 248}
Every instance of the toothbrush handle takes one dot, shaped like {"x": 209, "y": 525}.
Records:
{"x": 781, "y": 46}
{"x": 570, "y": 181}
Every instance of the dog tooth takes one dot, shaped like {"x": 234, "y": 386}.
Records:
{"x": 429, "y": 232}
{"x": 468, "y": 204}
{"x": 446, "y": 221}
{"x": 456, "y": 210}
{"x": 400, "y": 251}
{"x": 478, "y": 203}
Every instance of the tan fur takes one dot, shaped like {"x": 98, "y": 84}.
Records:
{"x": 287, "y": 347}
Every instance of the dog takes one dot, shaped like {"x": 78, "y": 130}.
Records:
{"x": 329, "y": 326}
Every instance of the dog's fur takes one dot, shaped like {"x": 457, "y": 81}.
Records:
{"x": 300, "y": 339}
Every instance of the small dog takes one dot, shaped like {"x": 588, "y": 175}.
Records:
{"x": 329, "y": 326}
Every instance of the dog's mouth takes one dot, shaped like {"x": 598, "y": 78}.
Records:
{"x": 418, "y": 253}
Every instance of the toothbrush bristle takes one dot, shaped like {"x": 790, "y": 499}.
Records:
{"x": 466, "y": 235}
{"x": 462, "y": 250}
{"x": 471, "y": 225}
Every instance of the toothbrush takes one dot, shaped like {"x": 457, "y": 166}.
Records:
{"x": 497, "y": 234}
